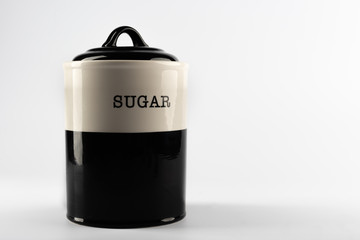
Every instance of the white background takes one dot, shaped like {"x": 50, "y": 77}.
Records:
{"x": 273, "y": 126}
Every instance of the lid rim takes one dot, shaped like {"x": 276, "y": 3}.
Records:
{"x": 124, "y": 54}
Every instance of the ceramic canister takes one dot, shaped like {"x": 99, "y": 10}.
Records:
{"x": 125, "y": 135}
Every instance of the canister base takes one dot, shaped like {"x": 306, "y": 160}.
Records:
{"x": 140, "y": 224}
{"x": 125, "y": 180}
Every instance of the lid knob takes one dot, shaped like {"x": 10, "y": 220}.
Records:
{"x": 134, "y": 35}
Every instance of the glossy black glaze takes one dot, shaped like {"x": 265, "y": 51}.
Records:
{"x": 140, "y": 51}
{"x": 125, "y": 179}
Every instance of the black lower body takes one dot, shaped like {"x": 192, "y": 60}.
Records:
{"x": 125, "y": 180}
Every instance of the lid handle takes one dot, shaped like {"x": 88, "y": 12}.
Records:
{"x": 134, "y": 35}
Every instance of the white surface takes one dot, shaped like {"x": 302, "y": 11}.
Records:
{"x": 204, "y": 221}
{"x": 274, "y": 113}
{"x": 35, "y": 213}
{"x": 93, "y": 110}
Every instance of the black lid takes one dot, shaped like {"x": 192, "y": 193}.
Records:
{"x": 140, "y": 50}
